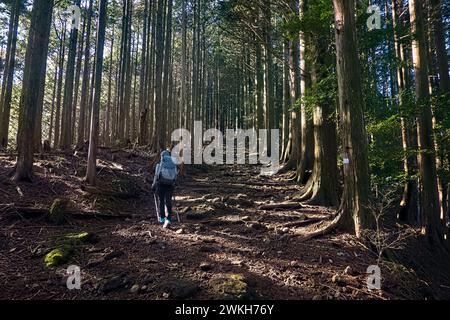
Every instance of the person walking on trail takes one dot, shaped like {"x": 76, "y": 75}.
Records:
{"x": 164, "y": 182}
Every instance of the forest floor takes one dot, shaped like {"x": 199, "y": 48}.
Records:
{"x": 228, "y": 245}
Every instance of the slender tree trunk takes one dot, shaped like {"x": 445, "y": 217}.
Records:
{"x": 439, "y": 42}
{"x": 151, "y": 71}
{"x": 306, "y": 136}
{"x": 109, "y": 107}
{"x": 158, "y": 139}
{"x": 133, "y": 111}
{"x": 268, "y": 74}
{"x": 77, "y": 81}
{"x": 143, "y": 103}
{"x": 52, "y": 112}
{"x": 294, "y": 135}
{"x": 259, "y": 89}
{"x": 408, "y": 207}
{"x": 184, "y": 86}
{"x": 62, "y": 51}
{"x": 167, "y": 68}
{"x": 286, "y": 99}
{"x": 8, "y": 77}
{"x": 91, "y": 175}
{"x": 85, "y": 82}
{"x": 40, "y": 108}
{"x": 66, "y": 125}
{"x": 128, "y": 74}
{"x": 427, "y": 161}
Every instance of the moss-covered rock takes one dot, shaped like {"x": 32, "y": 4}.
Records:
{"x": 233, "y": 286}
{"x": 80, "y": 238}
{"x": 57, "y": 210}
{"x": 58, "y": 256}
{"x": 66, "y": 246}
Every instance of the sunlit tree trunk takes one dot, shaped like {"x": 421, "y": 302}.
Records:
{"x": 8, "y": 76}
{"x": 91, "y": 173}
{"x": 427, "y": 161}
{"x": 353, "y": 210}
{"x": 408, "y": 206}
{"x": 66, "y": 124}
{"x": 62, "y": 51}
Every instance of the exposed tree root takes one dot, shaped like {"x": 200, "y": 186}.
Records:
{"x": 324, "y": 231}
{"x": 305, "y": 193}
{"x": 288, "y": 166}
{"x": 283, "y": 205}
{"x": 304, "y": 223}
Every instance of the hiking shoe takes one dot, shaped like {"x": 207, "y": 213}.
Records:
{"x": 162, "y": 220}
{"x": 167, "y": 223}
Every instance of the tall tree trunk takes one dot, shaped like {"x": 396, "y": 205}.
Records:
{"x": 35, "y": 63}
{"x": 167, "y": 69}
{"x": 40, "y": 109}
{"x": 259, "y": 89}
{"x": 439, "y": 42}
{"x": 62, "y": 54}
{"x": 128, "y": 74}
{"x": 427, "y": 161}
{"x": 408, "y": 206}
{"x": 91, "y": 174}
{"x": 323, "y": 186}
{"x": 158, "y": 139}
{"x": 268, "y": 74}
{"x": 109, "y": 107}
{"x": 295, "y": 121}
{"x": 133, "y": 111}
{"x": 8, "y": 77}
{"x": 66, "y": 125}
{"x": 143, "y": 103}
{"x": 354, "y": 216}
{"x": 184, "y": 86}
{"x": 77, "y": 80}
{"x": 306, "y": 136}
{"x": 52, "y": 112}
{"x": 286, "y": 100}
{"x": 85, "y": 82}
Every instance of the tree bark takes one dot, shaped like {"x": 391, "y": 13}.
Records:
{"x": 35, "y": 63}
{"x": 323, "y": 185}
{"x": 66, "y": 125}
{"x": 143, "y": 104}
{"x": 426, "y": 158}
{"x": 354, "y": 214}
{"x": 408, "y": 206}
{"x": 439, "y": 42}
{"x": 158, "y": 139}
{"x": 85, "y": 82}
{"x": 91, "y": 174}
{"x": 8, "y": 77}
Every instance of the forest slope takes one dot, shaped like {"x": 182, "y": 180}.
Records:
{"x": 227, "y": 246}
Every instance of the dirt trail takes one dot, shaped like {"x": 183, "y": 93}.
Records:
{"x": 225, "y": 246}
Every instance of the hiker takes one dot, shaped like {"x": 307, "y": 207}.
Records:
{"x": 163, "y": 185}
